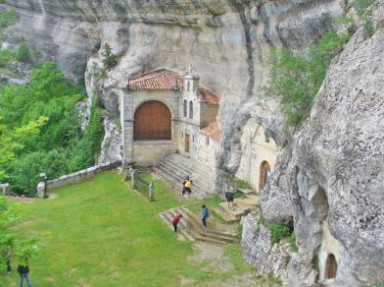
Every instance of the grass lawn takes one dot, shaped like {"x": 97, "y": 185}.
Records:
{"x": 102, "y": 233}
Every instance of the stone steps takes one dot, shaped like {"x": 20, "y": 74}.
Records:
{"x": 175, "y": 167}
{"x": 182, "y": 167}
{"x": 190, "y": 227}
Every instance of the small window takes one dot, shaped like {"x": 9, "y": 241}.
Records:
{"x": 185, "y": 108}
{"x": 191, "y": 110}
{"x": 207, "y": 141}
{"x": 188, "y": 86}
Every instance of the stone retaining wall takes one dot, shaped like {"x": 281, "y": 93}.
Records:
{"x": 80, "y": 175}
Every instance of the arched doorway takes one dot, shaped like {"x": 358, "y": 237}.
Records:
{"x": 331, "y": 266}
{"x": 152, "y": 122}
{"x": 264, "y": 171}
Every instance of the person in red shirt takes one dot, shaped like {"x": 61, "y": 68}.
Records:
{"x": 175, "y": 221}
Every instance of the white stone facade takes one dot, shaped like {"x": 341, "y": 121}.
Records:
{"x": 256, "y": 150}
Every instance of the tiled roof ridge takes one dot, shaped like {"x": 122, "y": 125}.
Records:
{"x": 208, "y": 96}
{"x": 212, "y": 130}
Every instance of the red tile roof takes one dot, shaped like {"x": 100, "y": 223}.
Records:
{"x": 212, "y": 130}
{"x": 208, "y": 96}
{"x": 163, "y": 79}
{"x": 157, "y": 80}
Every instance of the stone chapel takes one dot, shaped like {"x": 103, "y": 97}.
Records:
{"x": 164, "y": 113}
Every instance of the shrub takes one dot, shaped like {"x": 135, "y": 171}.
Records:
{"x": 109, "y": 59}
{"x": 23, "y": 53}
{"x": 238, "y": 183}
{"x": 292, "y": 242}
{"x": 239, "y": 229}
{"x": 8, "y": 18}
{"x": 278, "y": 232}
{"x": 368, "y": 28}
{"x": 362, "y": 6}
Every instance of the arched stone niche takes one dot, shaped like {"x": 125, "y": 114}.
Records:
{"x": 329, "y": 254}
{"x": 258, "y": 155}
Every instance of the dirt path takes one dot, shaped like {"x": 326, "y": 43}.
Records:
{"x": 218, "y": 262}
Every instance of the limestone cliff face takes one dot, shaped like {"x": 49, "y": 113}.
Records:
{"x": 332, "y": 174}
{"x": 331, "y": 171}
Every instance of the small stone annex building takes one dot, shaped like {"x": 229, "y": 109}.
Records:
{"x": 164, "y": 113}
{"x": 259, "y": 154}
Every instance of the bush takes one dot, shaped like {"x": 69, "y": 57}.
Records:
{"x": 292, "y": 242}
{"x": 8, "y": 18}
{"x": 279, "y": 231}
{"x": 23, "y": 53}
{"x": 362, "y": 6}
{"x": 368, "y": 28}
{"x": 296, "y": 79}
{"x": 109, "y": 59}
{"x": 238, "y": 183}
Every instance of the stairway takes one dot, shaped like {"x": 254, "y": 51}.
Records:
{"x": 242, "y": 206}
{"x": 174, "y": 168}
{"x": 190, "y": 227}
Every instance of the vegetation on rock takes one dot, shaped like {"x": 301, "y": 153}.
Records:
{"x": 297, "y": 79}
{"x": 109, "y": 59}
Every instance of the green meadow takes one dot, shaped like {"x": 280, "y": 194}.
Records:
{"x": 102, "y": 233}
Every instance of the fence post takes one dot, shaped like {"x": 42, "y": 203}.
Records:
{"x": 150, "y": 192}
{"x": 133, "y": 179}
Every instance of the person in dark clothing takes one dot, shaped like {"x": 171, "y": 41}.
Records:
{"x": 175, "y": 221}
{"x": 229, "y": 199}
{"x": 204, "y": 215}
{"x": 23, "y": 270}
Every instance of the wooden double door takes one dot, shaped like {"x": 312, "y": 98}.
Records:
{"x": 152, "y": 122}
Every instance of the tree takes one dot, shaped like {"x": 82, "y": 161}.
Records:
{"x": 10, "y": 140}
{"x": 11, "y": 243}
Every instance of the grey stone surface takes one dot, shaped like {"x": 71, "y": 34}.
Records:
{"x": 339, "y": 148}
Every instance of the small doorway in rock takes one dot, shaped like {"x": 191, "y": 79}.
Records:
{"x": 186, "y": 145}
{"x": 331, "y": 266}
{"x": 265, "y": 169}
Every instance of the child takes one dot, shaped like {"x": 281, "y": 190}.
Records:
{"x": 188, "y": 186}
{"x": 184, "y": 182}
{"x": 175, "y": 221}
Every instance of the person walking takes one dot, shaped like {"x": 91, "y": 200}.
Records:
{"x": 184, "y": 182}
{"x": 188, "y": 187}
{"x": 229, "y": 199}
{"x": 23, "y": 270}
{"x": 204, "y": 215}
{"x": 175, "y": 221}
